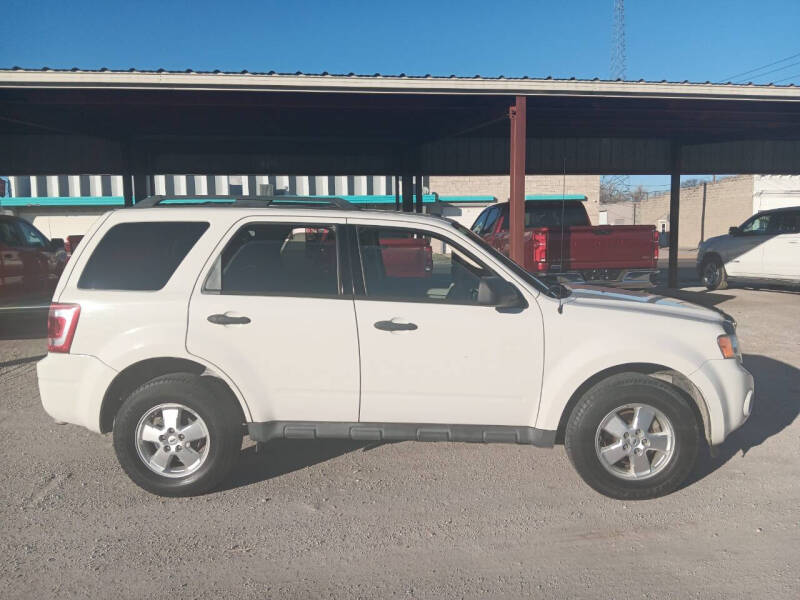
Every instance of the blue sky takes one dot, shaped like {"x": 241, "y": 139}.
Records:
{"x": 666, "y": 39}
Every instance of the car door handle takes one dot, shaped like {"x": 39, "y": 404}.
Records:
{"x": 395, "y": 326}
{"x": 220, "y": 319}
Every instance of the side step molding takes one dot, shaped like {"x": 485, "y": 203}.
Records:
{"x": 400, "y": 432}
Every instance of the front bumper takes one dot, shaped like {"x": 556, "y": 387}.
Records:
{"x": 727, "y": 389}
{"x": 72, "y": 387}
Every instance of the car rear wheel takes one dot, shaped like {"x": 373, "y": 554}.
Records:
{"x": 633, "y": 437}
{"x": 714, "y": 275}
{"x": 173, "y": 437}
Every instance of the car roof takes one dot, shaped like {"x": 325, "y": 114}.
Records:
{"x": 778, "y": 210}
{"x": 234, "y": 213}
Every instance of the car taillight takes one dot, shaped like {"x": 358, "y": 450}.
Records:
{"x": 428, "y": 259}
{"x": 61, "y": 323}
{"x": 656, "y": 244}
{"x": 540, "y": 250}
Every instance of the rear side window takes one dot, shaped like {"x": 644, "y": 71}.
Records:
{"x": 278, "y": 259}
{"x": 139, "y": 256}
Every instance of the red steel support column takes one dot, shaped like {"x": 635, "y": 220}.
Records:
{"x": 674, "y": 214}
{"x": 516, "y": 229}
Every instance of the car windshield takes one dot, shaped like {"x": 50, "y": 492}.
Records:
{"x": 554, "y": 291}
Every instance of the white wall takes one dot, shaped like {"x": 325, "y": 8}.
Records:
{"x": 775, "y": 191}
{"x": 59, "y": 223}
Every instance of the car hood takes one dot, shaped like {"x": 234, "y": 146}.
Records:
{"x": 714, "y": 240}
{"x": 643, "y": 302}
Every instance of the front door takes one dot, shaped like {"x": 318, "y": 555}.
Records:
{"x": 744, "y": 253}
{"x": 271, "y": 313}
{"x": 430, "y": 353}
{"x": 12, "y": 267}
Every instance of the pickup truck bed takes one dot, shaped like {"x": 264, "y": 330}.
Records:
{"x": 619, "y": 255}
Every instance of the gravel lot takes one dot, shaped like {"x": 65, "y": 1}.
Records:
{"x": 305, "y": 519}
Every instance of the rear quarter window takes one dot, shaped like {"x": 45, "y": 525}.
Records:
{"x": 140, "y": 256}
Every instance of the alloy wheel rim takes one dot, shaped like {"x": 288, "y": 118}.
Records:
{"x": 635, "y": 441}
{"x": 172, "y": 440}
{"x": 710, "y": 274}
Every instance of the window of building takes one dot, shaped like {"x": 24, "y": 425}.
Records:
{"x": 140, "y": 256}
{"x": 405, "y": 265}
{"x": 282, "y": 259}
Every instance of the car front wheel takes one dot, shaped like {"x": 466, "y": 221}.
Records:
{"x": 714, "y": 275}
{"x": 633, "y": 437}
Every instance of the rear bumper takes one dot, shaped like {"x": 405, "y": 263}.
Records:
{"x": 728, "y": 389}
{"x": 72, "y": 387}
{"x": 627, "y": 278}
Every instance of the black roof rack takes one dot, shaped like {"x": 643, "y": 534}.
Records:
{"x": 247, "y": 202}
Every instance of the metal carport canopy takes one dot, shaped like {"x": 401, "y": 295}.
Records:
{"x": 76, "y": 121}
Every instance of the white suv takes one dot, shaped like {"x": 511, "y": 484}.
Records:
{"x": 177, "y": 326}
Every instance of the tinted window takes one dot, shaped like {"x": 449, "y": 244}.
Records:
{"x": 415, "y": 266}
{"x": 477, "y": 226}
{"x": 786, "y": 222}
{"x": 491, "y": 219}
{"x": 139, "y": 256}
{"x": 31, "y": 235}
{"x": 9, "y": 236}
{"x": 552, "y": 214}
{"x": 280, "y": 259}
{"x": 757, "y": 225}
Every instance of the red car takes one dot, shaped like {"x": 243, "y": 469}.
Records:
{"x": 30, "y": 264}
{"x": 618, "y": 255}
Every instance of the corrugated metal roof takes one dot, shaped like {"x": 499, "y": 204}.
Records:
{"x": 188, "y": 79}
{"x": 385, "y": 76}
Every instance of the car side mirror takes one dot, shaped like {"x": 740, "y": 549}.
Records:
{"x": 57, "y": 245}
{"x": 496, "y": 291}
{"x": 734, "y": 231}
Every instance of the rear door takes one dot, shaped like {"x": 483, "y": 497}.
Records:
{"x": 781, "y": 258}
{"x": 430, "y": 353}
{"x": 273, "y": 311}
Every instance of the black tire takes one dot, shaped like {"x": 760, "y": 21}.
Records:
{"x": 618, "y": 391}
{"x": 713, "y": 273}
{"x": 222, "y": 418}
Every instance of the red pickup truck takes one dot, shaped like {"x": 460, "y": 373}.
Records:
{"x": 619, "y": 255}
{"x": 30, "y": 265}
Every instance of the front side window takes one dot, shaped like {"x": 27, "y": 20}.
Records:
{"x": 477, "y": 226}
{"x": 758, "y": 225}
{"x": 491, "y": 220}
{"x": 32, "y": 237}
{"x": 283, "y": 259}
{"x": 417, "y": 266}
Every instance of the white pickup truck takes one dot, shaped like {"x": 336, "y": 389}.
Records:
{"x": 763, "y": 249}
{"x": 177, "y": 327}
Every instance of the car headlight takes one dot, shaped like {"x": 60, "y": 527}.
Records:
{"x": 729, "y": 346}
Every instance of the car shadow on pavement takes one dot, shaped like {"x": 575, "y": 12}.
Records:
{"x": 776, "y": 405}
{"x": 280, "y": 457}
